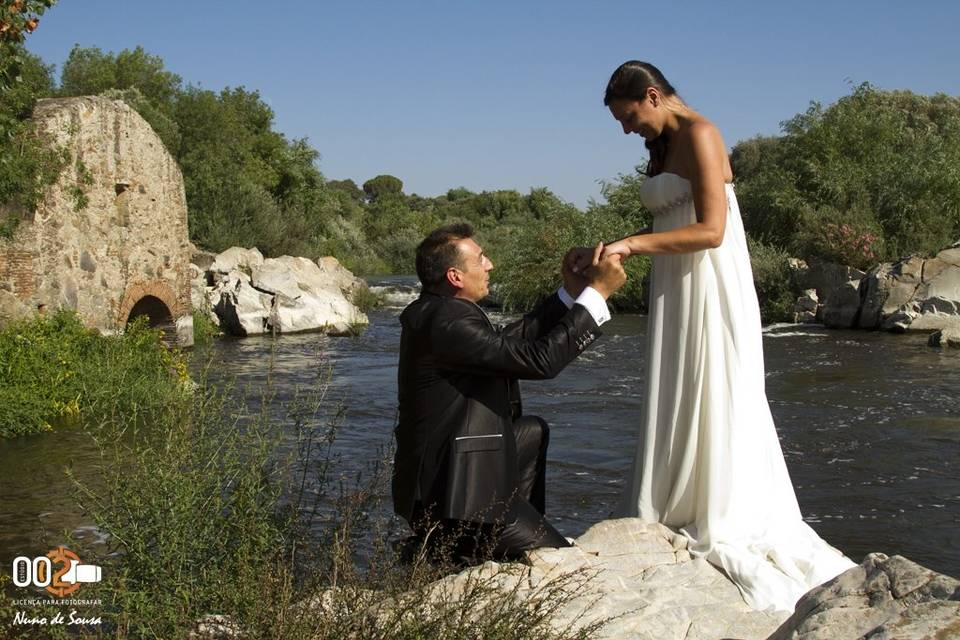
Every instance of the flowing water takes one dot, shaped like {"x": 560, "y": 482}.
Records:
{"x": 869, "y": 424}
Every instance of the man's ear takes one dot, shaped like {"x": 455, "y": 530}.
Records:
{"x": 455, "y": 278}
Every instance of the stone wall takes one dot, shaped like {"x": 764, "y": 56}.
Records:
{"x": 128, "y": 250}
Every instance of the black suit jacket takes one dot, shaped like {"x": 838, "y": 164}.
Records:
{"x": 456, "y": 452}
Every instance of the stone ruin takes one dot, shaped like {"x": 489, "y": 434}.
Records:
{"x": 123, "y": 255}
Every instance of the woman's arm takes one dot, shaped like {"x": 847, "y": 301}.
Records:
{"x": 709, "y": 200}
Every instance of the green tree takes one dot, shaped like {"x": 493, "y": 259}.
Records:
{"x": 347, "y": 187}
{"x": 528, "y": 254}
{"x": 134, "y": 76}
{"x": 27, "y": 165}
{"x": 874, "y": 176}
{"x": 382, "y": 185}
{"x": 246, "y": 183}
{"x": 90, "y": 71}
{"x": 18, "y": 18}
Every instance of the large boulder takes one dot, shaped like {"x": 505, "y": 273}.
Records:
{"x": 917, "y": 294}
{"x": 889, "y": 290}
{"x": 947, "y": 337}
{"x": 340, "y": 275}
{"x": 307, "y": 297}
{"x": 882, "y": 598}
{"x": 639, "y": 577}
{"x": 242, "y": 310}
{"x": 829, "y": 283}
{"x": 939, "y": 291}
{"x": 842, "y": 306}
{"x": 827, "y": 277}
{"x": 914, "y": 293}
{"x": 236, "y": 258}
{"x": 247, "y": 294}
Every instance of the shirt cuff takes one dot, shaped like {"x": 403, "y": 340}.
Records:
{"x": 589, "y": 298}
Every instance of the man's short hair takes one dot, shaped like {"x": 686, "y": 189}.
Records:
{"x": 439, "y": 251}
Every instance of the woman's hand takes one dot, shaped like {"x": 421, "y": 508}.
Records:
{"x": 620, "y": 247}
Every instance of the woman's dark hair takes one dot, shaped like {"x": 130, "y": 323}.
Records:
{"x": 630, "y": 82}
{"x": 438, "y": 252}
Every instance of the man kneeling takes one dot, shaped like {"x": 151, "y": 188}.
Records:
{"x": 469, "y": 470}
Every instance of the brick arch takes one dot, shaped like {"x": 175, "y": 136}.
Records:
{"x": 159, "y": 289}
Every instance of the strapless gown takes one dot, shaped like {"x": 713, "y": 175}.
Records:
{"x": 708, "y": 462}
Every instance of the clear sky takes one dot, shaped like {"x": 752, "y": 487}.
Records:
{"x": 508, "y": 95}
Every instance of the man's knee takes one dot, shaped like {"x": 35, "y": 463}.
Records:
{"x": 536, "y": 429}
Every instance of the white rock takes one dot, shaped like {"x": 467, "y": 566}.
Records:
{"x": 307, "y": 298}
{"x": 242, "y": 310}
{"x": 882, "y": 598}
{"x": 236, "y": 258}
{"x": 286, "y": 294}
{"x": 948, "y": 337}
{"x": 645, "y": 584}
{"x": 340, "y": 275}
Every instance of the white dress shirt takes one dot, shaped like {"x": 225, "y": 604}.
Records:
{"x": 589, "y": 298}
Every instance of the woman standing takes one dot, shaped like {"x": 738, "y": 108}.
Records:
{"x": 708, "y": 462}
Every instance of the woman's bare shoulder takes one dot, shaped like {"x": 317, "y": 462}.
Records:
{"x": 704, "y": 146}
{"x": 701, "y": 130}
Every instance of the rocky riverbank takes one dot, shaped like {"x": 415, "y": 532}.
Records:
{"x": 629, "y": 579}
{"x": 245, "y": 294}
{"x": 647, "y": 586}
{"x": 912, "y": 294}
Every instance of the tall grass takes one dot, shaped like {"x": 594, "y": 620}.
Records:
{"x": 213, "y": 509}
{"x": 56, "y": 371}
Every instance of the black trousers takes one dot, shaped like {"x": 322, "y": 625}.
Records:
{"x": 524, "y": 526}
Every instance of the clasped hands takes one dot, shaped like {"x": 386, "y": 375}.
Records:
{"x": 600, "y": 267}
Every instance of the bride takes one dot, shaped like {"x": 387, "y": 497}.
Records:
{"x": 708, "y": 461}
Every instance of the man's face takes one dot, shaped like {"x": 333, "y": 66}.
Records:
{"x": 472, "y": 278}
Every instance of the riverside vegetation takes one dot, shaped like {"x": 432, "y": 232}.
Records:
{"x": 211, "y": 504}
{"x": 209, "y": 508}
{"x": 55, "y": 371}
{"x": 873, "y": 177}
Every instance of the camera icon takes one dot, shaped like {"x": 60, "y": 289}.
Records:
{"x": 81, "y": 573}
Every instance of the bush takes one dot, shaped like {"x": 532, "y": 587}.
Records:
{"x": 365, "y": 299}
{"x": 204, "y": 328}
{"x": 882, "y": 163}
{"x": 56, "y": 371}
{"x": 844, "y": 238}
{"x": 527, "y": 257}
{"x": 214, "y": 509}
{"x": 775, "y": 282}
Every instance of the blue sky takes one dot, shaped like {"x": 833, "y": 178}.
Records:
{"x": 492, "y": 94}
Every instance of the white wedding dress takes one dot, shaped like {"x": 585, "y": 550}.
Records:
{"x": 708, "y": 461}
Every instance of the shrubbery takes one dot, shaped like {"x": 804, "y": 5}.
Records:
{"x": 54, "y": 370}
{"x": 225, "y": 504}
{"x": 527, "y": 257}
{"x": 873, "y": 177}
{"x": 775, "y": 282}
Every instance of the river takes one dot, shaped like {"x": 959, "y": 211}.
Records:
{"x": 869, "y": 424}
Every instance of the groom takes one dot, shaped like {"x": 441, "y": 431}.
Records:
{"x": 469, "y": 468}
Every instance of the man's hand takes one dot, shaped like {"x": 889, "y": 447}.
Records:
{"x": 579, "y": 258}
{"x": 606, "y": 275}
{"x": 574, "y": 283}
